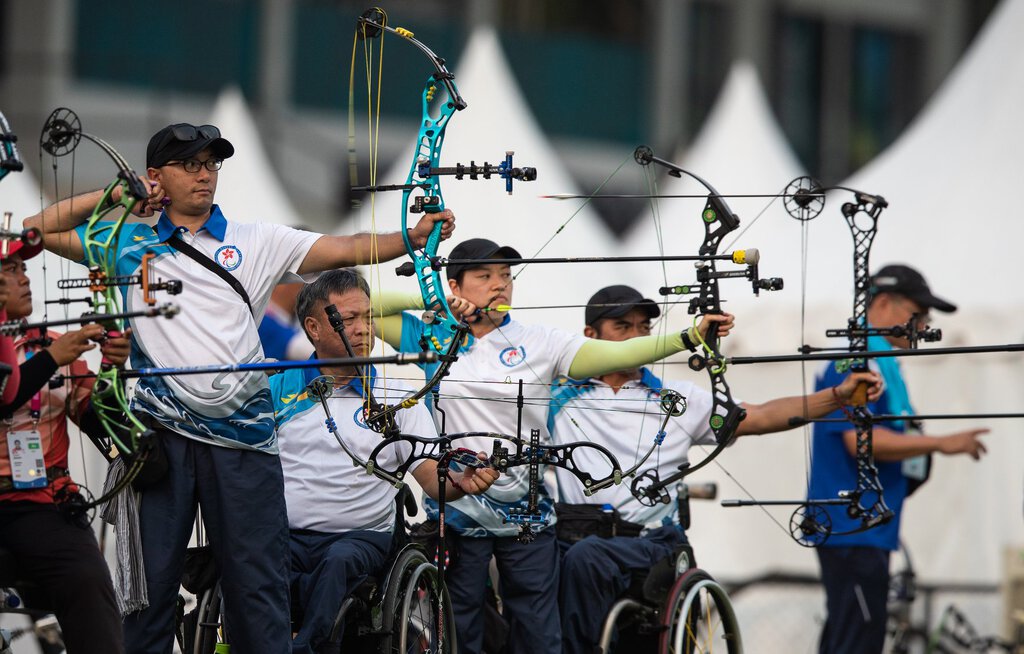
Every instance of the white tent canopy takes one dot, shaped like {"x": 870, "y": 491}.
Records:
{"x": 739, "y": 150}
{"x": 953, "y": 178}
{"x": 498, "y": 119}
{"x": 247, "y": 186}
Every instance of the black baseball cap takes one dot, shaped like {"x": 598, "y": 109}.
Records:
{"x": 478, "y": 248}
{"x": 617, "y": 301}
{"x": 184, "y": 140}
{"x": 905, "y": 281}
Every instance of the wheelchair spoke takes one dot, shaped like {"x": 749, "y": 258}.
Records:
{"x": 699, "y": 618}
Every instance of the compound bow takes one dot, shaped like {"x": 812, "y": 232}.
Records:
{"x": 440, "y": 100}
{"x": 60, "y": 136}
{"x": 726, "y": 413}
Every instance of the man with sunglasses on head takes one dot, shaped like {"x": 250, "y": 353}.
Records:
{"x": 855, "y": 567}
{"x": 217, "y": 431}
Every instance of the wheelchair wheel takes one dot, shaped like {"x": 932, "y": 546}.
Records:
{"x": 210, "y": 624}
{"x": 629, "y": 627}
{"x": 699, "y": 618}
{"x": 413, "y": 600}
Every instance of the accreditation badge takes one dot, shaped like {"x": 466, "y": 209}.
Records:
{"x": 916, "y": 468}
{"x": 28, "y": 470}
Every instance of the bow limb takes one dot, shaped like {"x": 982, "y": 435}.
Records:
{"x": 421, "y": 193}
{"x": 718, "y": 220}
{"x": 61, "y": 134}
{"x": 446, "y": 360}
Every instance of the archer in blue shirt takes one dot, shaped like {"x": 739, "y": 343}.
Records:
{"x": 855, "y": 567}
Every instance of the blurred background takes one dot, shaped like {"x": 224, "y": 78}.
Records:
{"x": 915, "y": 100}
{"x": 843, "y": 77}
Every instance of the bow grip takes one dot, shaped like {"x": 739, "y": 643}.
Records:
{"x": 860, "y": 395}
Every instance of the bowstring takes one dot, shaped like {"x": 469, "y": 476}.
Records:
{"x": 373, "y": 111}
{"x": 806, "y": 429}
{"x": 804, "y": 253}
{"x": 652, "y": 188}
{"x": 586, "y": 201}
{"x": 63, "y": 272}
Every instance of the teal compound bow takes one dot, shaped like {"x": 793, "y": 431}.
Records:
{"x": 443, "y": 332}
{"x": 60, "y": 136}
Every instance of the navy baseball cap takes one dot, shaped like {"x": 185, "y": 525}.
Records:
{"x": 184, "y": 140}
{"x": 478, "y": 248}
{"x": 905, "y": 281}
{"x": 617, "y": 301}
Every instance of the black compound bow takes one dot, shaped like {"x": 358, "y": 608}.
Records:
{"x": 726, "y": 413}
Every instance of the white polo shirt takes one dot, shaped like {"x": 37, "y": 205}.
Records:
{"x": 626, "y": 423}
{"x": 324, "y": 491}
{"x": 479, "y": 394}
{"x": 213, "y": 327}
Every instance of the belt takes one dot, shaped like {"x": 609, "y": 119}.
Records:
{"x": 52, "y": 473}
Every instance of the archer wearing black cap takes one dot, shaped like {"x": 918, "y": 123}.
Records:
{"x": 855, "y": 566}
{"x": 903, "y": 280}
{"x": 500, "y": 349}
{"x": 620, "y": 410}
{"x": 228, "y": 270}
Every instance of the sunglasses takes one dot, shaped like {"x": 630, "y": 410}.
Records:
{"x": 192, "y": 133}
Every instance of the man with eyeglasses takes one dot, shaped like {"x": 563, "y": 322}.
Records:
{"x": 217, "y": 431}
{"x": 855, "y": 567}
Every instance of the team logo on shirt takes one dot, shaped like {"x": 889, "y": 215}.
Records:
{"x": 359, "y": 417}
{"x": 512, "y": 356}
{"x": 229, "y": 257}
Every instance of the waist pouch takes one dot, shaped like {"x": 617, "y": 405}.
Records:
{"x": 577, "y": 521}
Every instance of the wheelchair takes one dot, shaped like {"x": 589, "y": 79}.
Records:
{"x": 675, "y": 607}
{"x": 14, "y": 588}
{"x": 395, "y": 612}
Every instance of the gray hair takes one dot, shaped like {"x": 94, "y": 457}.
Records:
{"x": 317, "y": 294}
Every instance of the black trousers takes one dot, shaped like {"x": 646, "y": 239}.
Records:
{"x": 856, "y": 581}
{"x": 61, "y": 557}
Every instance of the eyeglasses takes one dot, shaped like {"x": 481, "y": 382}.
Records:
{"x": 185, "y": 132}
{"x": 193, "y": 165}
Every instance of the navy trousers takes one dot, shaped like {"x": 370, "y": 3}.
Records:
{"x": 325, "y": 570}
{"x": 241, "y": 493}
{"x": 856, "y": 581}
{"x": 596, "y": 572}
{"x": 529, "y": 591}
{"x": 60, "y": 555}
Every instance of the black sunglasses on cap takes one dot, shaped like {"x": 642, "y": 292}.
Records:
{"x": 191, "y": 132}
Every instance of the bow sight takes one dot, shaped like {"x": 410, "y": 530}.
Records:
{"x": 9, "y": 160}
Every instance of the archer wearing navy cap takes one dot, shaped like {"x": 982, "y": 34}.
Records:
{"x": 501, "y": 348}
{"x": 604, "y": 552}
{"x": 183, "y": 141}
{"x": 217, "y": 431}
{"x": 855, "y": 567}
